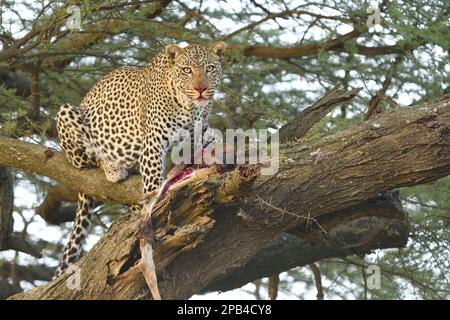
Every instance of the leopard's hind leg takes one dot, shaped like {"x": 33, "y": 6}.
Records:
{"x": 75, "y": 136}
{"x": 75, "y": 139}
{"x": 79, "y": 232}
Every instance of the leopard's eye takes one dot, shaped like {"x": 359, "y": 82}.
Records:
{"x": 187, "y": 70}
{"x": 210, "y": 68}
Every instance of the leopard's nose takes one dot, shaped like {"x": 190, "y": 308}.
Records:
{"x": 200, "y": 88}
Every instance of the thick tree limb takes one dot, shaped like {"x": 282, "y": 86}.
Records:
{"x": 50, "y": 163}
{"x": 206, "y": 232}
{"x": 374, "y": 224}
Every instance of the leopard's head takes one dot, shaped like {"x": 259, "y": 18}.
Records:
{"x": 196, "y": 70}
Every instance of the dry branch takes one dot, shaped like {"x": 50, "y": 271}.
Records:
{"x": 317, "y": 280}
{"x": 307, "y": 118}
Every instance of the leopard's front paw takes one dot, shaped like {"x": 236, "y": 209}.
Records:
{"x": 114, "y": 172}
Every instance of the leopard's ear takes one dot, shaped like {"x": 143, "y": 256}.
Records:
{"x": 218, "y": 48}
{"x": 172, "y": 50}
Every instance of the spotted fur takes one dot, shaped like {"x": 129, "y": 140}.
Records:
{"x": 126, "y": 121}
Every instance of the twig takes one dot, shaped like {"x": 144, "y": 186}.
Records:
{"x": 390, "y": 102}
{"x": 292, "y": 214}
{"x": 274, "y": 280}
{"x": 317, "y": 280}
{"x": 257, "y": 293}
{"x": 364, "y": 281}
{"x": 375, "y": 101}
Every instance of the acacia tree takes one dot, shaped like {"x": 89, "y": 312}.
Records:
{"x": 333, "y": 199}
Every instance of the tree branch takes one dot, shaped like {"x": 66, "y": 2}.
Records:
{"x": 8, "y": 241}
{"x": 29, "y": 273}
{"x": 301, "y": 50}
{"x": 317, "y": 280}
{"x": 210, "y": 227}
{"x": 374, "y": 224}
{"x": 6, "y": 205}
{"x": 307, "y": 118}
{"x": 50, "y": 163}
{"x": 51, "y": 209}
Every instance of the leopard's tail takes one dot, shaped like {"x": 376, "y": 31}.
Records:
{"x": 79, "y": 232}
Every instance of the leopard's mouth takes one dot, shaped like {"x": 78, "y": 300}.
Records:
{"x": 204, "y": 96}
{"x": 201, "y": 98}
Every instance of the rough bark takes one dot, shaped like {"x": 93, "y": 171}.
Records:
{"x": 50, "y": 163}
{"x": 375, "y": 224}
{"x": 211, "y": 227}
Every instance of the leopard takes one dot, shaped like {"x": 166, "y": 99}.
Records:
{"x": 125, "y": 122}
